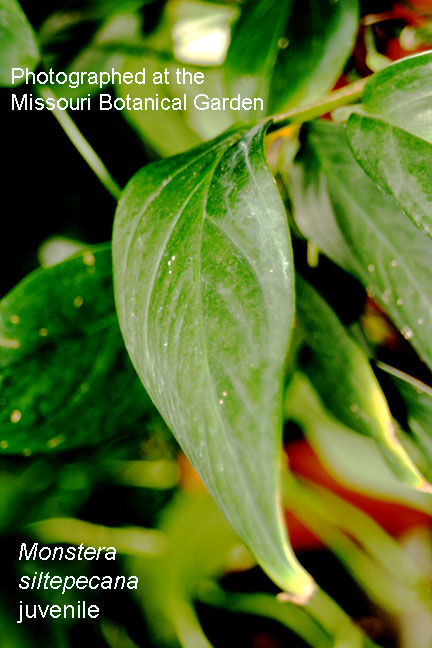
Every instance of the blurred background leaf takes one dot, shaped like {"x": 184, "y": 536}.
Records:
{"x": 18, "y": 45}
{"x": 66, "y": 379}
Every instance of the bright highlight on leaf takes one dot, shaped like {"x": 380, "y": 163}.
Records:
{"x": 204, "y": 290}
{"x": 392, "y": 139}
{"x": 340, "y": 371}
{"x": 417, "y": 398}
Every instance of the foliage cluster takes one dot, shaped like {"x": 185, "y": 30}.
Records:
{"x": 268, "y": 272}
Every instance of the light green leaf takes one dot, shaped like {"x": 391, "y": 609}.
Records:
{"x": 417, "y": 398}
{"x": 392, "y": 135}
{"x": 353, "y": 459}
{"x": 204, "y": 290}
{"x": 65, "y": 378}
{"x": 291, "y": 52}
{"x": 343, "y": 212}
{"x": 180, "y": 40}
{"x": 18, "y": 46}
{"x": 166, "y": 132}
{"x": 200, "y": 542}
{"x": 340, "y": 371}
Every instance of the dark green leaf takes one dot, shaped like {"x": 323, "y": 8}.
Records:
{"x": 320, "y": 37}
{"x": 393, "y": 140}
{"x": 291, "y": 52}
{"x": 65, "y": 378}
{"x": 341, "y": 210}
{"x": 204, "y": 290}
{"x": 340, "y": 371}
{"x": 254, "y": 44}
{"x": 18, "y": 47}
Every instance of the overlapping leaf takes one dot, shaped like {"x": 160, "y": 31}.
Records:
{"x": 291, "y": 52}
{"x": 392, "y": 139}
{"x": 340, "y": 209}
{"x": 204, "y": 291}
{"x": 65, "y": 378}
{"x": 18, "y": 46}
{"x": 417, "y": 398}
{"x": 353, "y": 459}
{"x": 340, "y": 371}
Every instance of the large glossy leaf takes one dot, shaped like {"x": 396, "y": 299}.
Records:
{"x": 65, "y": 378}
{"x": 291, "y": 52}
{"x": 392, "y": 139}
{"x": 204, "y": 290}
{"x": 18, "y": 46}
{"x": 341, "y": 210}
{"x": 340, "y": 371}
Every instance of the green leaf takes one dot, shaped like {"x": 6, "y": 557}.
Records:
{"x": 65, "y": 378}
{"x": 342, "y": 211}
{"x": 320, "y": 38}
{"x": 204, "y": 290}
{"x": 18, "y": 46}
{"x": 197, "y": 552}
{"x": 101, "y": 54}
{"x": 417, "y": 398}
{"x": 254, "y": 46}
{"x": 177, "y": 42}
{"x": 167, "y": 132}
{"x": 352, "y": 459}
{"x": 340, "y": 371}
{"x": 392, "y": 139}
{"x": 291, "y": 52}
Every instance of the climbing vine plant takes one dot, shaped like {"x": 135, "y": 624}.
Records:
{"x": 228, "y": 332}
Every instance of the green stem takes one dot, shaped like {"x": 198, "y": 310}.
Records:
{"x": 186, "y": 624}
{"x": 339, "y": 513}
{"x": 379, "y": 579}
{"x": 131, "y": 541}
{"x": 320, "y": 622}
{"x": 334, "y": 620}
{"x": 342, "y": 97}
{"x": 83, "y": 147}
{"x": 266, "y": 605}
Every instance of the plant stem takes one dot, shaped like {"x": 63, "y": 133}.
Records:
{"x": 381, "y": 585}
{"x": 266, "y": 605}
{"x": 132, "y": 541}
{"x": 341, "y": 97}
{"x": 83, "y": 147}
{"x": 335, "y": 621}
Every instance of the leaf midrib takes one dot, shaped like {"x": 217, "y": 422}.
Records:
{"x": 233, "y": 449}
